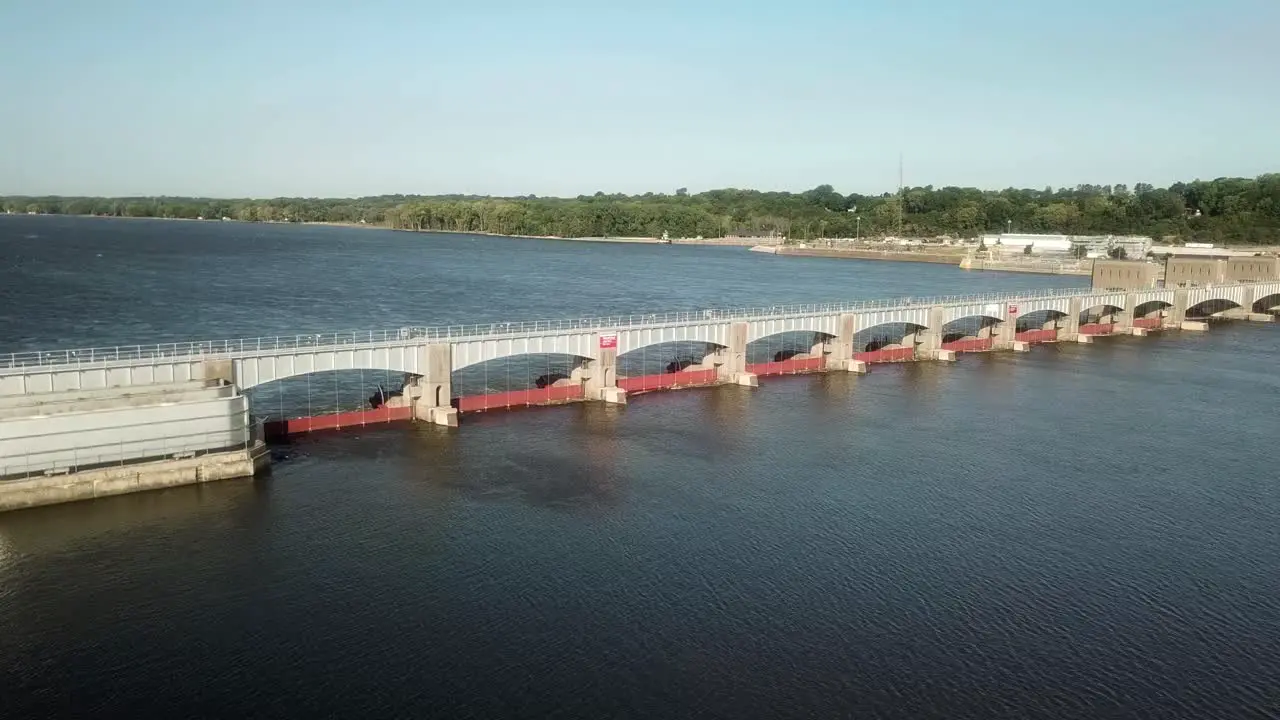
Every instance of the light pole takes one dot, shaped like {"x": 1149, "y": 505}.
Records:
{"x": 1009, "y": 225}
{"x": 859, "y": 220}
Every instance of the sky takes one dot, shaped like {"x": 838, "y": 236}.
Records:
{"x": 319, "y": 98}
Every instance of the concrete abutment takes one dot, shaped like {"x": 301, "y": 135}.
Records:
{"x": 16, "y": 494}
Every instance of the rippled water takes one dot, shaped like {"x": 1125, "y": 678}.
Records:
{"x": 1083, "y": 531}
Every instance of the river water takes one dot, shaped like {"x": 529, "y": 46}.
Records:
{"x": 1083, "y": 531}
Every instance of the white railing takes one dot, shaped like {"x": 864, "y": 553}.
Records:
{"x": 246, "y": 347}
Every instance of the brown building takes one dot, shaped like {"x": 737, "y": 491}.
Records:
{"x": 1252, "y": 269}
{"x": 1125, "y": 275}
{"x": 1184, "y": 272}
{"x": 1188, "y": 272}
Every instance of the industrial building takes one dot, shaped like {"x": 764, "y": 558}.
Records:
{"x": 1089, "y": 246}
{"x": 1180, "y": 272}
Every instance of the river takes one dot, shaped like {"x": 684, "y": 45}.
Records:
{"x": 1082, "y": 531}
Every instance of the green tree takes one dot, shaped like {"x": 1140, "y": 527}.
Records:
{"x": 1224, "y": 210}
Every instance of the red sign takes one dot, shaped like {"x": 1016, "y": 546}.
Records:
{"x": 608, "y": 341}
{"x": 1013, "y": 309}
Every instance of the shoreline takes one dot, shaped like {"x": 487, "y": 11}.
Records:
{"x": 732, "y": 241}
{"x": 937, "y": 258}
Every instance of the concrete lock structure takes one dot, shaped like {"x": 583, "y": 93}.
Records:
{"x": 82, "y": 423}
{"x": 1178, "y": 271}
{"x": 83, "y": 443}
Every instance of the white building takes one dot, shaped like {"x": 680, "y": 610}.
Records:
{"x": 1017, "y": 243}
{"x": 1084, "y": 245}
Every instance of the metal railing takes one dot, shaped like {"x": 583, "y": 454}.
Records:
{"x": 247, "y": 347}
{"x": 122, "y": 453}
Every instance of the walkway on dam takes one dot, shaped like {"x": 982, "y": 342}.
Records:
{"x": 845, "y": 334}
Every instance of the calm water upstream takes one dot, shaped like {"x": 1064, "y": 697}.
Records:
{"x": 1084, "y": 531}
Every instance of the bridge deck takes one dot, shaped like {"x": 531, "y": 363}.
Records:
{"x": 261, "y": 360}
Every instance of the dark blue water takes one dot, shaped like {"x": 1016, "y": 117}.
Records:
{"x": 1083, "y": 531}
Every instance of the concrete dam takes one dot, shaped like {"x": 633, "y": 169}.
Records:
{"x": 84, "y": 423}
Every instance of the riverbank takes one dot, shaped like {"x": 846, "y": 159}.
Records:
{"x": 637, "y": 240}
{"x": 941, "y": 258}
{"x": 1036, "y": 266}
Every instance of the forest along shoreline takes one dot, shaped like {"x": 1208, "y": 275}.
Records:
{"x": 821, "y": 248}
{"x": 1223, "y": 211}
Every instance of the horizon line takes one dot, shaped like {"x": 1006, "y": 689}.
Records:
{"x": 602, "y": 193}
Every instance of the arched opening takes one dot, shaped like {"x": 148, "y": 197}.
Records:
{"x": 1151, "y": 314}
{"x": 661, "y": 366}
{"x": 788, "y": 353}
{"x": 517, "y": 381}
{"x": 1099, "y": 319}
{"x": 329, "y": 399}
{"x": 1267, "y": 304}
{"x": 973, "y": 333}
{"x": 1210, "y": 308}
{"x": 887, "y": 342}
{"x": 1038, "y": 326}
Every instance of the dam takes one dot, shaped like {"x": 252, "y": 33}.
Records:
{"x": 82, "y": 423}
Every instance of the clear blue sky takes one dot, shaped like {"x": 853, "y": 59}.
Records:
{"x": 326, "y": 98}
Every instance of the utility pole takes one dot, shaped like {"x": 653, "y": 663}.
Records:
{"x": 902, "y": 195}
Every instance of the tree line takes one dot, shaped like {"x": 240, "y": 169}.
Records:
{"x": 1225, "y": 211}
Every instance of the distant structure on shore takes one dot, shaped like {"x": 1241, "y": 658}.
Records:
{"x": 1082, "y": 246}
{"x": 764, "y": 237}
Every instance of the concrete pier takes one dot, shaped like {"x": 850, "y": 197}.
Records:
{"x": 1006, "y": 332}
{"x": 840, "y": 353}
{"x": 1072, "y": 329}
{"x": 432, "y": 393}
{"x": 1178, "y": 308}
{"x": 734, "y": 368}
{"x": 1124, "y": 319}
{"x": 600, "y": 372}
